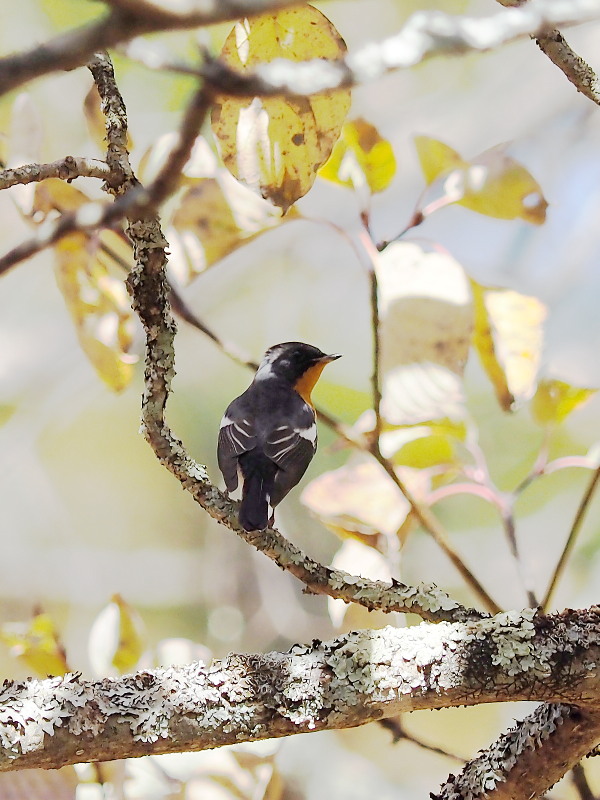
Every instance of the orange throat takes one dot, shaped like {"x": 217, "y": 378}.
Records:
{"x": 306, "y": 382}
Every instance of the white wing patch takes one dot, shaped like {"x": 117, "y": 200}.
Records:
{"x": 308, "y": 433}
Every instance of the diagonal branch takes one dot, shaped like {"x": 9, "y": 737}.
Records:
{"x": 529, "y": 759}
{"x": 576, "y": 70}
{"x": 426, "y": 34}
{"x": 126, "y": 21}
{"x": 554, "y": 45}
{"x": 150, "y": 291}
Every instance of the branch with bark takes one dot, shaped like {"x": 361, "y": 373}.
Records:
{"x": 354, "y": 679}
{"x": 425, "y": 35}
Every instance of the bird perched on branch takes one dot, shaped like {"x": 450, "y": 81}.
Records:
{"x": 268, "y": 434}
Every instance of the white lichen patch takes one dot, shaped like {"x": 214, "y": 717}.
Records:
{"x": 512, "y": 637}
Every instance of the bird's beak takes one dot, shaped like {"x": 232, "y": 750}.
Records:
{"x": 332, "y": 357}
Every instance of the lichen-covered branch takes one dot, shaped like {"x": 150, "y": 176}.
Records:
{"x": 575, "y": 69}
{"x": 425, "y": 35}
{"x": 530, "y": 758}
{"x": 357, "y": 678}
{"x": 67, "y": 169}
{"x": 554, "y": 45}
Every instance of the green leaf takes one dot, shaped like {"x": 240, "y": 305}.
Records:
{"x": 276, "y": 145}
{"x": 361, "y": 156}
{"x": 554, "y": 400}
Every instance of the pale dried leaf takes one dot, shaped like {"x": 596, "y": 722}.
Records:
{"x": 357, "y": 498}
{"x": 39, "y": 784}
{"x": 426, "y": 323}
{"x": 117, "y": 638}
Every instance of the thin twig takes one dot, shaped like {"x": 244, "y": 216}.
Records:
{"x": 580, "y": 782}
{"x": 508, "y": 523}
{"x": 431, "y": 524}
{"x": 376, "y": 368}
{"x": 67, "y": 169}
{"x": 398, "y": 732}
{"x": 575, "y": 528}
{"x": 368, "y": 256}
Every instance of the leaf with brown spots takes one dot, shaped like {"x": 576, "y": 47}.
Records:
{"x": 276, "y": 145}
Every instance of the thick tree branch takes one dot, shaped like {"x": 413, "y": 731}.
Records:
{"x": 357, "y": 678}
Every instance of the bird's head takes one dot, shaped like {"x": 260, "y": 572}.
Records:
{"x": 297, "y": 363}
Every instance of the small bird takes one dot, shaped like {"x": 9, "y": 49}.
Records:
{"x": 269, "y": 433}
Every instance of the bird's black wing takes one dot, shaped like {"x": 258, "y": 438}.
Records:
{"x": 292, "y": 449}
{"x": 236, "y": 436}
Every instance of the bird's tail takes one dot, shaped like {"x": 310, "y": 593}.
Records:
{"x": 256, "y": 494}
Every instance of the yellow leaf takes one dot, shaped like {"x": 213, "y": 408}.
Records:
{"x": 212, "y": 222}
{"x": 508, "y": 337}
{"x": 37, "y": 644}
{"x": 426, "y": 322}
{"x": 361, "y": 155}
{"x": 98, "y": 304}
{"x": 554, "y": 400}
{"x": 276, "y": 145}
{"x": 117, "y": 638}
{"x": 492, "y": 183}
{"x": 358, "y": 498}
{"x": 57, "y": 195}
{"x": 436, "y": 157}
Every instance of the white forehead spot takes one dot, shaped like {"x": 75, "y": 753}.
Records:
{"x": 308, "y": 433}
{"x": 265, "y": 370}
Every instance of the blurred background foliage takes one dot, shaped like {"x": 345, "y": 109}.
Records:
{"x": 107, "y": 564}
